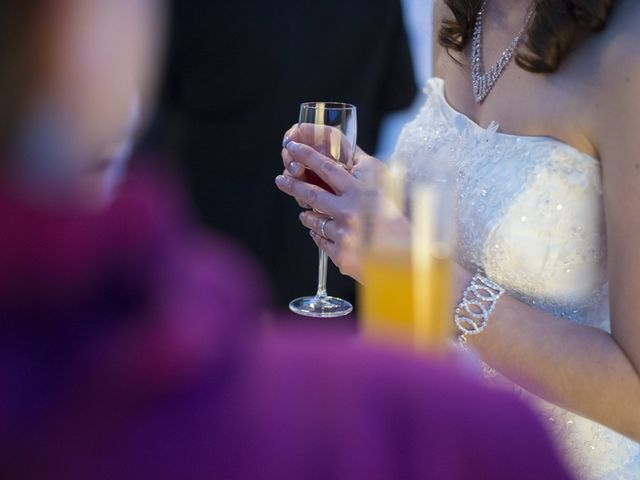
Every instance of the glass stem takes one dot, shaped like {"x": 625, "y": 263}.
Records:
{"x": 322, "y": 274}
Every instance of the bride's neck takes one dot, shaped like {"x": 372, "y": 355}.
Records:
{"x": 505, "y": 13}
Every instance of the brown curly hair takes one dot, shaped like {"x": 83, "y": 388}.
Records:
{"x": 550, "y": 38}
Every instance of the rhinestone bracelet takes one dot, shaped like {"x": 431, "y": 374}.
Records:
{"x": 478, "y": 303}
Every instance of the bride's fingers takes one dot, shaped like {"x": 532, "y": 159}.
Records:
{"x": 330, "y": 171}
{"x": 311, "y": 195}
{"x": 292, "y": 167}
{"x": 367, "y": 167}
{"x": 327, "y": 245}
{"x": 286, "y": 173}
{"x": 324, "y": 139}
{"x": 290, "y": 135}
{"x": 320, "y": 224}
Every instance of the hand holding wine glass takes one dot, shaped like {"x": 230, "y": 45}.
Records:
{"x": 329, "y": 129}
{"x": 340, "y": 238}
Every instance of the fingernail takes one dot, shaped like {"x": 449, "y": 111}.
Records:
{"x": 281, "y": 180}
{"x": 301, "y": 216}
{"x": 294, "y": 168}
{"x": 285, "y": 142}
{"x": 292, "y": 146}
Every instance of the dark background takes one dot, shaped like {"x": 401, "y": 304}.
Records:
{"x": 235, "y": 75}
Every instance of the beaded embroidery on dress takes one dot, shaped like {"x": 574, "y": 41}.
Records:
{"x": 530, "y": 215}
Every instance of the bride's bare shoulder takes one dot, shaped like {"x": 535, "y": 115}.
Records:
{"x": 614, "y": 58}
{"x": 616, "y": 48}
{"x": 610, "y": 71}
{"x": 620, "y": 37}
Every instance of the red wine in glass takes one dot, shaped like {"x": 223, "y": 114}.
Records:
{"x": 331, "y": 129}
{"x": 314, "y": 179}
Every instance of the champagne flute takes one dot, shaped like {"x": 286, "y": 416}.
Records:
{"x": 406, "y": 294}
{"x": 331, "y": 129}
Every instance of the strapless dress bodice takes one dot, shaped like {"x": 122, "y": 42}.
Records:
{"x": 529, "y": 214}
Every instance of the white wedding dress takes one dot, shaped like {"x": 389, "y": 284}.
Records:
{"x": 530, "y": 216}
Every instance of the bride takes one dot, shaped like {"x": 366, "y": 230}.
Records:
{"x": 544, "y": 146}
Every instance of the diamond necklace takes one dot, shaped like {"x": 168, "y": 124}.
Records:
{"x": 484, "y": 82}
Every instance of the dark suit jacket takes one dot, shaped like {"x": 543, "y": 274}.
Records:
{"x": 236, "y": 74}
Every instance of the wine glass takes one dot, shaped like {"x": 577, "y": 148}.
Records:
{"x": 331, "y": 129}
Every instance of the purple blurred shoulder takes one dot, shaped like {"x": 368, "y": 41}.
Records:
{"x": 403, "y": 416}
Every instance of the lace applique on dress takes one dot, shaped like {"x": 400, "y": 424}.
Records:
{"x": 530, "y": 215}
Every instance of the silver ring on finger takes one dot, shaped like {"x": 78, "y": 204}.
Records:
{"x": 324, "y": 224}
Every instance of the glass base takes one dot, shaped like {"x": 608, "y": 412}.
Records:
{"x": 321, "y": 307}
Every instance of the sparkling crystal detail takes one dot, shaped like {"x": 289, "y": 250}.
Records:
{"x": 483, "y": 82}
{"x": 478, "y": 303}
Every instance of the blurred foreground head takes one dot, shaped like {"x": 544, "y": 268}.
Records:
{"x": 76, "y": 77}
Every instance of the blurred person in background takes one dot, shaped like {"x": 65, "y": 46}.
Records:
{"x": 131, "y": 344}
{"x": 236, "y": 75}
